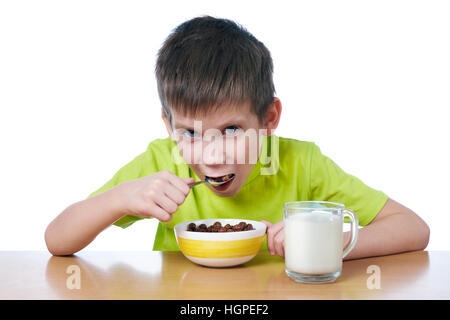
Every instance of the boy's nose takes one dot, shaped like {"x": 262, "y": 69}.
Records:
{"x": 214, "y": 153}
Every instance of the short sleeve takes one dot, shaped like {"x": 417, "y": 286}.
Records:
{"x": 131, "y": 171}
{"x": 328, "y": 182}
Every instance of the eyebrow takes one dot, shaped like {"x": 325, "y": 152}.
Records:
{"x": 222, "y": 126}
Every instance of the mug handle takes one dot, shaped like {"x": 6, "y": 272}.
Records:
{"x": 353, "y": 230}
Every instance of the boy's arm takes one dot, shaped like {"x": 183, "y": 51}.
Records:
{"x": 395, "y": 229}
{"x": 157, "y": 195}
{"x": 81, "y": 222}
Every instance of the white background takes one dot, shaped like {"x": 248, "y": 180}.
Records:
{"x": 368, "y": 81}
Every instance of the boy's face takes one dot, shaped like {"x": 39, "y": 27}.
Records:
{"x": 223, "y": 142}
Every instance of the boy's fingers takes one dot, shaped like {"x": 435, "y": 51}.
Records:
{"x": 271, "y": 234}
{"x": 175, "y": 194}
{"x": 160, "y": 214}
{"x": 167, "y": 204}
{"x": 279, "y": 243}
{"x": 267, "y": 223}
{"x": 269, "y": 243}
{"x": 188, "y": 180}
{"x": 277, "y": 227}
{"x": 181, "y": 183}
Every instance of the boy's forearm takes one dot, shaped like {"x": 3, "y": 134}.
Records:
{"x": 394, "y": 234}
{"x": 81, "y": 222}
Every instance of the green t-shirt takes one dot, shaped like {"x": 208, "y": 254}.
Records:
{"x": 300, "y": 172}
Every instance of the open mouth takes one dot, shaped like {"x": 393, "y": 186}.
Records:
{"x": 221, "y": 183}
{"x": 221, "y": 179}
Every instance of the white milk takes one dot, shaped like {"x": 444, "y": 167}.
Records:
{"x": 313, "y": 243}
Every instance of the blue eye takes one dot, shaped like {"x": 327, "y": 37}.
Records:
{"x": 190, "y": 133}
{"x": 232, "y": 130}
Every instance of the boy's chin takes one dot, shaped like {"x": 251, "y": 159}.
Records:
{"x": 227, "y": 193}
{"x": 224, "y": 194}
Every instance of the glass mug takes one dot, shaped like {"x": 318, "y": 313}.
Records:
{"x": 313, "y": 240}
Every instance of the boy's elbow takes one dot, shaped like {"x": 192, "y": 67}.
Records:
{"x": 48, "y": 241}
{"x": 422, "y": 234}
{"x": 52, "y": 245}
{"x": 425, "y": 238}
{"x": 59, "y": 251}
{"x": 56, "y": 252}
{"x": 418, "y": 233}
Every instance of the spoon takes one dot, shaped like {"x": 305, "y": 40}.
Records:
{"x": 207, "y": 180}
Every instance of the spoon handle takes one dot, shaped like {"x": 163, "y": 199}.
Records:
{"x": 193, "y": 184}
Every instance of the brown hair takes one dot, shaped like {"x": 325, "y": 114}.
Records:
{"x": 207, "y": 62}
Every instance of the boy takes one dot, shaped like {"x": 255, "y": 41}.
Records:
{"x": 218, "y": 105}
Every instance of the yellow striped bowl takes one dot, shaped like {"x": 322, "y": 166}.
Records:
{"x": 220, "y": 249}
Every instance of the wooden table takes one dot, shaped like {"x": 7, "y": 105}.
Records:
{"x": 168, "y": 275}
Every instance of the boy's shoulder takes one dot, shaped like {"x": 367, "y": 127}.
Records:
{"x": 289, "y": 145}
{"x": 287, "y": 154}
{"x": 296, "y": 142}
{"x": 161, "y": 144}
{"x": 162, "y": 149}
{"x": 164, "y": 154}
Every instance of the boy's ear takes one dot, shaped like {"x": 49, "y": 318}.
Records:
{"x": 273, "y": 116}
{"x": 167, "y": 124}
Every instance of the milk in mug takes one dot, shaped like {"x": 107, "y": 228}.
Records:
{"x": 313, "y": 242}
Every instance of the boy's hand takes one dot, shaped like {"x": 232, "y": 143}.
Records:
{"x": 158, "y": 195}
{"x": 275, "y": 237}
